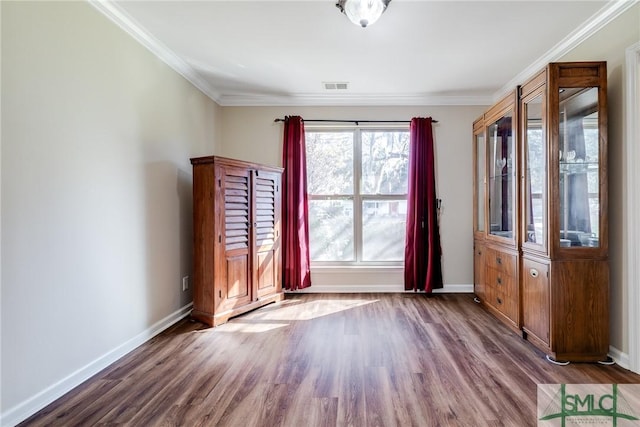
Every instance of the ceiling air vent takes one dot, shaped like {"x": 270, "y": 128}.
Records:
{"x": 335, "y": 85}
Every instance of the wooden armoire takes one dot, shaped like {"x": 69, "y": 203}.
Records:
{"x": 236, "y": 237}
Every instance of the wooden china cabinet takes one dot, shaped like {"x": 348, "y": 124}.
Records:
{"x": 565, "y": 268}
{"x": 496, "y": 211}
{"x": 236, "y": 237}
{"x": 558, "y": 240}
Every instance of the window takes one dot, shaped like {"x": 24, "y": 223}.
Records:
{"x": 357, "y": 181}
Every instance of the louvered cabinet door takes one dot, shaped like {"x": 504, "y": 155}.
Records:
{"x": 267, "y": 233}
{"x": 233, "y": 278}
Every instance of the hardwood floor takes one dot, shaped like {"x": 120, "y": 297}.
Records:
{"x": 329, "y": 360}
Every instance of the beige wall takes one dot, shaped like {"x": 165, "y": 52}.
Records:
{"x": 250, "y": 133}
{"x": 96, "y": 195}
{"x": 609, "y": 44}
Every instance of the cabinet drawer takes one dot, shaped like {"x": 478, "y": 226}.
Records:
{"x": 505, "y": 304}
{"x": 501, "y": 281}
{"x": 501, "y": 261}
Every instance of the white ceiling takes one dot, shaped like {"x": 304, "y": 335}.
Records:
{"x": 419, "y": 52}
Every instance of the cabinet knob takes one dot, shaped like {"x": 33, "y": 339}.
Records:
{"x": 499, "y": 300}
{"x": 499, "y": 260}
{"x": 533, "y": 272}
{"x": 499, "y": 280}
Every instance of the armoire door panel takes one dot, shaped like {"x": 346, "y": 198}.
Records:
{"x": 235, "y": 274}
{"x": 266, "y": 271}
{"x": 267, "y": 231}
{"x": 237, "y": 277}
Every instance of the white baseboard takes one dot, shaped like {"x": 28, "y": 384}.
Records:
{"x": 454, "y": 289}
{"x": 24, "y": 410}
{"x": 621, "y": 359}
{"x": 350, "y": 289}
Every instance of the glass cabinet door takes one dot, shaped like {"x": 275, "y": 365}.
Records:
{"x": 480, "y": 181}
{"x": 535, "y": 170}
{"x": 501, "y": 166}
{"x": 579, "y": 164}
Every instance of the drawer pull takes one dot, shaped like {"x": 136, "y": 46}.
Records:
{"x": 499, "y": 280}
{"x": 533, "y": 272}
{"x": 498, "y": 260}
{"x": 499, "y": 301}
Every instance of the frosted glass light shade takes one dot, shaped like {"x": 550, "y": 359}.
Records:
{"x": 363, "y": 12}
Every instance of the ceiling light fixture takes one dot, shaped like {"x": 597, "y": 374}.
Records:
{"x": 363, "y": 12}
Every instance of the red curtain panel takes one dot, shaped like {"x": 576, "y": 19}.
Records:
{"x": 422, "y": 252}
{"x": 295, "y": 208}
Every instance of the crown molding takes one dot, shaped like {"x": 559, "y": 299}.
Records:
{"x": 117, "y": 15}
{"x": 599, "y": 20}
{"x": 352, "y": 100}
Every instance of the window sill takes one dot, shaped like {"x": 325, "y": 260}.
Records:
{"x": 355, "y": 269}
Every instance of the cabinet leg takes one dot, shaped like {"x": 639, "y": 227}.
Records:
{"x": 556, "y": 362}
{"x": 608, "y": 361}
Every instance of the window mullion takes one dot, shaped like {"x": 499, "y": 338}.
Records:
{"x": 357, "y": 198}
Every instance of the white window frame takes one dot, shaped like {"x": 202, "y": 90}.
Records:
{"x": 357, "y": 197}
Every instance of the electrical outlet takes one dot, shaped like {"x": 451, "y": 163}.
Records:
{"x": 185, "y": 283}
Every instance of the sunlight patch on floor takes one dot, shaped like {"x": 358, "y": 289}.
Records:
{"x": 272, "y": 317}
{"x": 289, "y": 310}
{"x": 249, "y": 326}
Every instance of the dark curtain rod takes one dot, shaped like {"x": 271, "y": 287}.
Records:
{"x": 357, "y": 122}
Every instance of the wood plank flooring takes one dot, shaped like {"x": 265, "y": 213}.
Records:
{"x": 329, "y": 360}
